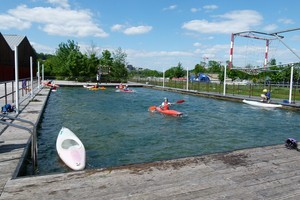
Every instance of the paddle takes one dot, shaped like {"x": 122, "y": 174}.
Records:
{"x": 179, "y": 101}
{"x": 153, "y": 108}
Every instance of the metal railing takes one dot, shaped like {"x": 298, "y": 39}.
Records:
{"x": 8, "y": 93}
{"x": 278, "y": 90}
{"x": 32, "y": 131}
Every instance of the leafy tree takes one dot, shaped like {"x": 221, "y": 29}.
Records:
{"x": 91, "y": 64}
{"x": 106, "y": 59}
{"x": 118, "y": 70}
{"x": 175, "y": 72}
{"x": 214, "y": 66}
{"x": 199, "y": 69}
{"x": 68, "y": 55}
{"x": 106, "y": 62}
{"x": 145, "y": 73}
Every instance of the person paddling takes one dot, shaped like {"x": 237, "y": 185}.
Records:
{"x": 165, "y": 105}
{"x": 126, "y": 88}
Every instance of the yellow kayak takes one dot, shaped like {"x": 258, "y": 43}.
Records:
{"x": 99, "y": 88}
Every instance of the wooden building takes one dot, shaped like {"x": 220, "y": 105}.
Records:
{"x": 7, "y": 57}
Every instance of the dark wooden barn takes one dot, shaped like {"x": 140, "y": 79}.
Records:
{"x": 7, "y": 57}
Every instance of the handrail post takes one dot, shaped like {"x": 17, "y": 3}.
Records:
{"x": 32, "y": 133}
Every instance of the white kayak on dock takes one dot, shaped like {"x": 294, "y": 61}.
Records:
{"x": 70, "y": 149}
{"x": 262, "y": 104}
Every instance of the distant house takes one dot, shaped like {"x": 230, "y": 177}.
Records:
{"x": 7, "y": 57}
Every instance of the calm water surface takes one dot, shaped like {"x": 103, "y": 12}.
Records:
{"x": 117, "y": 129}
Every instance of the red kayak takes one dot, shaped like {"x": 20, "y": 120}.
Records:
{"x": 174, "y": 113}
{"x": 122, "y": 90}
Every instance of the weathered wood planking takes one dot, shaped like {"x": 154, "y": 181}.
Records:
{"x": 260, "y": 173}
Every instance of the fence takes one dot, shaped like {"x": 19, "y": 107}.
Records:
{"x": 8, "y": 93}
{"x": 278, "y": 91}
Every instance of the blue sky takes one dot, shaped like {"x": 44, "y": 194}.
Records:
{"x": 158, "y": 34}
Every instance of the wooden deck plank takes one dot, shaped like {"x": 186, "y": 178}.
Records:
{"x": 188, "y": 178}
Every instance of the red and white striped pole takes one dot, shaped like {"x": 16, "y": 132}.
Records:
{"x": 266, "y": 54}
{"x": 231, "y": 51}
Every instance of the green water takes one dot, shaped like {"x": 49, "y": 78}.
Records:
{"x": 117, "y": 129}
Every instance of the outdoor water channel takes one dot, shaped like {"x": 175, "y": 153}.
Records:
{"x": 117, "y": 128}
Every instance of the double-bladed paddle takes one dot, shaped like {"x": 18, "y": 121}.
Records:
{"x": 153, "y": 108}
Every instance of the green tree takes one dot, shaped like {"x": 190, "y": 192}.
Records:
{"x": 214, "y": 66}
{"x": 68, "y": 57}
{"x": 119, "y": 71}
{"x": 175, "y": 72}
{"x": 145, "y": 73}
{"x": 199, "y": 69}
{"x": 106, "y": 59}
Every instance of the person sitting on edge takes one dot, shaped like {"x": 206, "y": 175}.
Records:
{"x": 266, "y": 96}
{"x": 165, "y": 105}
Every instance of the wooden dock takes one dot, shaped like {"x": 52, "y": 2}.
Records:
{"x": 259, "y": 173}
{"x": 271, "y": 172}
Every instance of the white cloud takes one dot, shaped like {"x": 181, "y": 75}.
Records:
{"x": 117, "y": 27}
{"x": 42, "y": 48}
{"x": 197, "y": 44}
{"x": 137, "y": 30}
{"x": 234, "y": 21}
{"x": 7, "y": 22}
{"x": 60, "y": 3}
{"x": 59, "y": 21}
{"x": 270, "y": 27}
{"x": 172, "y": 7}
{"x": 210, "y": 7}
{"x": 195, "y": 10}
{"x": 155, "y": 54}
{"x": 133, "y": 30}
{"x": 286, "y": 21}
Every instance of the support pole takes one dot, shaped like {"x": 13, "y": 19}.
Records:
{"x": 291, "y": 83}
{"x": 231, "y": 51}
{"x": 31, "y": 78}
{"x": 163, "y": 78}
{"x": 224, "y": 89}
{"x": 187, "y": 78}
{"x": 17, "y": 79}
{"x": 43, "y": 73}
{"x": 38, "y": 75}
{"x": 230, "y": 63}
{"x": 266, "y": 54}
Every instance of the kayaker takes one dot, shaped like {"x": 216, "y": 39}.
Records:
{"x": 266, "y": 96}
{"x": 95, "y": 86}
{"x": 165, "y": 105}
{"x": 126, "y": 88}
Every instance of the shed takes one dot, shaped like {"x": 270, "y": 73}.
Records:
{"x": 7, "y": 57}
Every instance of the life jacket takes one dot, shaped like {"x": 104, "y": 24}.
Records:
{"x": 166, "y": 106}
